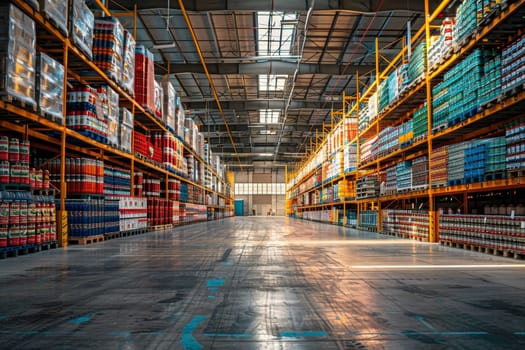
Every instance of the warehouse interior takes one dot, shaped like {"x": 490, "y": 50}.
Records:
{"x": 256, "y": 174}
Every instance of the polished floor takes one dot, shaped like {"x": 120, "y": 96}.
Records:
{"x": 261, "y": 283}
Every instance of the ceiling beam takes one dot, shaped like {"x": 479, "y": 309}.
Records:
{"x": 255, "y": 105}
{"x": 279, "y": 5}
{"x": 256, "y": 68}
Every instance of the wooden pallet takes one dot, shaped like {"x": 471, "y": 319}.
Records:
{"x": 507, "y": 253}
{"x": 162, "y": 227}
{"x": 18, "y": 102}
{"x": 514, "y": 173}
{"x": 86, "y": 240}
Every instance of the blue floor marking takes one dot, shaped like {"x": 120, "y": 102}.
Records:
{"x": 519, "y": 333}
{"x": 228, "y": 263}
{"x": 189, "y": 342}
{"x": 445, "y": 333}
{"x": 82, "y": 319}
{"x": 3, "y": 317}
{"x": 303, "y": 334}
{"x": 120, "y": 333}
{"x": 215, "y": 283}
{"x": 213, "y": 290}
{"x": 425, "y": 323}
{"x": 224, "y": 335}
{"x": 211, "y": 297}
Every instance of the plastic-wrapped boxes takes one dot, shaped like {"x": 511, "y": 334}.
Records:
{"x": 159, "y": 100}
{"x": 108, "y": 46}
{"x": 81, "y": 24}
{"x": 404, "y": 176}
{"x": 17, "y": 55}
{"x": 411, "y": 223}
{"x": 456, "y": 163}
{"x": 466, "y": 19}
{"x": 443, "y": 44}
{"x": 366, "y": 152}
{"x": 406, "y": 134}
{"x": 388, "y": 140}
{"x": 367, "y": 187}
{"x": 460, "y": 88}
{"x": 170, "y": 105}
{"x": 389, "y": 187}
{"x": 440, "y": 104}
{"x": 50, "y": 88}
{"x": 128, "y": 64}
{"x": 82, "y": 114}
{"x": 108, "y": 100}
{"x": 350, "y": 157}
{"x": 515, "y": 144}
{"x": 438, "y": 166}
{"x": 496, "y": 159}
{"x": 179, "y": 122}
{"x": 421, "y": 123}
{"x": 490, "y": 88}
{"x": 56, "y": 11}
{"x": 476, "y": 156}
{"x": 417, "y": 63}
{"x": 420, "y": 173}
{"x": 513, "y": 65}
{"x": 125, "y": 130}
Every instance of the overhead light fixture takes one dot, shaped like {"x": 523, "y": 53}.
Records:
{"x": 164, "y": 46}
{"x": 265, "y": 154}
{"x": 289, "y": 22}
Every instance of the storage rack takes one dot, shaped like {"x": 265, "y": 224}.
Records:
{"x": 49, "y": 136}
{"x": 437, "y": 202}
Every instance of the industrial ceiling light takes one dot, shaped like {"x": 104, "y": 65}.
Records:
{"x": 164, "y": 46}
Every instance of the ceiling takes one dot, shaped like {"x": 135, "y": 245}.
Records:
{"x": 277, "y": 68}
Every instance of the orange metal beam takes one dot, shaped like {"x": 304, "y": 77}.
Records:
{"x": 210, "y": 80}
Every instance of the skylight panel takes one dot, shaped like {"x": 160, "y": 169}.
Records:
{"x": 269, "y": 116}
{"x": 272, "y": 82}
{"x": 275, "y": 32}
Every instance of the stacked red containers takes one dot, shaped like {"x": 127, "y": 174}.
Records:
{"x": 160, "y": 212}
{"x": 141, "y": 143}
{"x": 350, "y": 127}
{"x": 152, "y": 187}
{"x": 439, "y": 166}
{"x": 144, "y": 78}
{"x": 83, "y": 175}
{"x": 139, "y": 184}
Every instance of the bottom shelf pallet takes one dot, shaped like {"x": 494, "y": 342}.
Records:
{"x": 86, "y": 240}
{"x": 120, "y": 234}
{"x": 507, "y": 253}
{"x": 11, "y": 252}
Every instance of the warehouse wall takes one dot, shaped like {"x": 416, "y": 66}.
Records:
{"x": 260, "y": 202}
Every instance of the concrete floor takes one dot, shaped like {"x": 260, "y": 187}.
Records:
{"x": 261, "y": 283}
